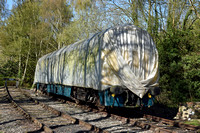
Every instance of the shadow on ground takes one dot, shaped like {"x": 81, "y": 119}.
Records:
{"x": 158, "y": 110}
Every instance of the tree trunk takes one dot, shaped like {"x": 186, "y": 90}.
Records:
{"x": 23, "y": 77}
{"x": 20, "y": 60}
{"x": 193, "y": 7}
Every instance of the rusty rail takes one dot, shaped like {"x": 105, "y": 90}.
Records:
{"x": 66, "y": 116}
{"x": 24, "y": 113}
{"x": 171, "y": 122}
{"x": 142, "y": 124}
{"x": 145, "y": 125}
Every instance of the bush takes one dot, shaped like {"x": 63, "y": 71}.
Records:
{"x": 179, "y": 69}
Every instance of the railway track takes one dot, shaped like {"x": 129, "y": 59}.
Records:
{"x": 48, "y": 119}
{"x": 146, "y": 123}
{"x": 155, "y": 124}
{"x": 88, "y": 115}
{"x": 62, "y": 116}
{"x": 11, "y": 121}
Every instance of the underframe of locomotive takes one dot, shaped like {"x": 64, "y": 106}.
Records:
{"x": 114, "y": 96}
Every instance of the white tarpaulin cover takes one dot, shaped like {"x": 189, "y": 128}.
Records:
{"x": 123, "y": 55}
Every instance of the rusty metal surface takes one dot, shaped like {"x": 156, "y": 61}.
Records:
{"x": 172, "y": 122}
{"x": 26, "y": 114}
{"x": 11, "y": 120}
{"x": 94, "y": 117}
{"x": 171, "y": 125}
{"x": 148, "y": 122}
{"x": 27, "y": 106}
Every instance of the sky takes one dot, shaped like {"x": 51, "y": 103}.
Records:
{"x": 9, "y": 3}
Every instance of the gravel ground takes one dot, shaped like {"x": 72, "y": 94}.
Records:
{"x": 10, "y": 120}
{"x": 13, "y": 122}
{"x": 56, "y": 123}
{"x": 97, "y": 119}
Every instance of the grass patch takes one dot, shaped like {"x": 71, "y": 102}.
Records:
{"x": 193, "y": 122}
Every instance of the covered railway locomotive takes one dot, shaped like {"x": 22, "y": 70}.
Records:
{"x": 114, "y": 67}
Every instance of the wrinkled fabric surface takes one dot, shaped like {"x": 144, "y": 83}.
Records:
{"x": 124, "y": 55}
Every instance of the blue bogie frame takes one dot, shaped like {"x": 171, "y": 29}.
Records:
{"x": 105, "y": 97}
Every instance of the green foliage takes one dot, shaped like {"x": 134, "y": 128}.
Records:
{"x": 179, "y": 66}
{"x": 9, "y": 69}
{"x": 191, "y": 73}
{"x": 35, "y": 28}
{"x": 2, "y": 8}
{"x": 193, "y": 122}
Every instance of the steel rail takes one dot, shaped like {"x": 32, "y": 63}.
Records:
{"x": 145, "y": 125}
{"x": 133, "y": 122}
{"x": 26, "y": 114}
{"x": 141, "y": 124}
{"x": 89, "y": 126}
{"x": 172, "y": 122}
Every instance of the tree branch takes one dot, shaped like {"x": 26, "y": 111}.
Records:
{"x": 198, "y": 16}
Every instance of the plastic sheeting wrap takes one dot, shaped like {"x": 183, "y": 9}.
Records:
{"x": 124, "y": 55}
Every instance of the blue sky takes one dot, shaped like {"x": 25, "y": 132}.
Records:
{"x": 9, "y": 3}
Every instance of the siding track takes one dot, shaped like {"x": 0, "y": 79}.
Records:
{"x": 48, "y": 119}
{"x": 64, "y": 116}
{"x": 11, "y": 121}
{"x": 144, "y": 123}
